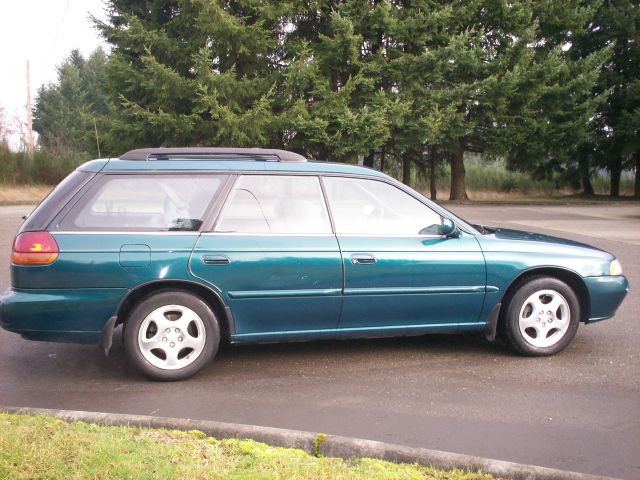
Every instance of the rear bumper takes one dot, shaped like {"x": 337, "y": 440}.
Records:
{"x": 606, "y": 293}
{"x": 69, "y": 315}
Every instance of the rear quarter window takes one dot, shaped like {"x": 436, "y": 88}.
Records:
{"x": 145, "y": 203}
{"x": 44, "y": 213}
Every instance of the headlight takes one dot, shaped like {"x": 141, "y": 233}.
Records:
{"x": 615, "y": 268}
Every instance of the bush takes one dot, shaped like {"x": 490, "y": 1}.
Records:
{"x": 41, "y": 167}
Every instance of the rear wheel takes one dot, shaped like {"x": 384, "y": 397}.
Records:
{"x": 542, "y": 317}
{"x": 171, "y": 335}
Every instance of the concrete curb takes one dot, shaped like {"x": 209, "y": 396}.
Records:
{"x": 317, "y": 443}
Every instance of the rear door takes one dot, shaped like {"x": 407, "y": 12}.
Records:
{"x": 274, "y": 258}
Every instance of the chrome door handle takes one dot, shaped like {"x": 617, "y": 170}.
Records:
{"x": 216, "y": 260}
{"x": 362, "y": 259}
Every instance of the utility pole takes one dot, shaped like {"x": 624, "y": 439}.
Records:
{"x": 29, "y": 115}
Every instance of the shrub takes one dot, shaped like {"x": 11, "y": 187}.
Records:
{"x": 41, "y": 167}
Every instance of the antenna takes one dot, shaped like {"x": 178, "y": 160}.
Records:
{"x": 95, "y": 126}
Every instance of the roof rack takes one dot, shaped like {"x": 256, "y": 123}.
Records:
{"x": 265, "y": 154}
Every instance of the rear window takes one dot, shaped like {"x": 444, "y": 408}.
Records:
{"x": 145, "y": 203}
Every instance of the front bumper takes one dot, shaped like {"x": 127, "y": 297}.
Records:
{"x": 69, "y": 315}
{"x": 606, "y": 293}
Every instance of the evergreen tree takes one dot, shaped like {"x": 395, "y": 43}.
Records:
{"x": 412, "y": 81}
{"x": 615, "y": 137}
{"x": 492, "y": 69}
{"x": 331, "y": 83}
{"x": 193, "y": 72}
{"x": 552, "y": 134}
{"x": 65, "y": 111}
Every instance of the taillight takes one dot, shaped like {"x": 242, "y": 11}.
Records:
{"x": 34, "y": 248}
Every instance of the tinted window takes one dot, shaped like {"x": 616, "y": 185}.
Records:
{"x": 371, "y": 207}
{"x": 134, "y": 202}
{"x": 50, "y": 206}
{"x": 275, "y": 204}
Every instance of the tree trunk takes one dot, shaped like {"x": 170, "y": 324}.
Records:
{"x": 585, "y": 176}
{"x": 368, "y": 160}
{"x": 432, "y": 173}
{"x": 406, "y": 169}
{"x": 636, "y": 187}
{"x": 616, "y": 172}
{"x": 458, "y": 189}
{"x": 383, "y": 154}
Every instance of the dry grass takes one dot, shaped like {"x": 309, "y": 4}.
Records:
{"x": 23, "y": 193}
{"x": 496, "y": 196}
{"x": 558, "y": 196}
{"x": 13, "y": 194}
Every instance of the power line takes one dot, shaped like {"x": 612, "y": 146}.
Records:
{"x": 29, "y": 113}
{"x": 55, "y": 39}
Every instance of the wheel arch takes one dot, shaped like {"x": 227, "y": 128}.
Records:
{"x": 571, "y": 278}
{"x": 208, "y": 295}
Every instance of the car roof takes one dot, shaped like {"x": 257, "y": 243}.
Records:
{"x": 221, "y": 159}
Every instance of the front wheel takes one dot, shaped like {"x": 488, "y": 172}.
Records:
{"x": 542, "y": 317}
{"x": 171, "y": 335}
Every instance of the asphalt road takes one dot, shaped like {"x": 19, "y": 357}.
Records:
{"x": 579, "y": 410}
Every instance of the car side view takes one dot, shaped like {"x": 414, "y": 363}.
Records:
{"x": 189, "y": 247}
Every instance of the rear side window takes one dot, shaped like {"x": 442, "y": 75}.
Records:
{"x": 136, "y": 202}
{"x": 281, "y": 204}
{"x": 40, "y": 218}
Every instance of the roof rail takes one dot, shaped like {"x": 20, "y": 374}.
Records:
{"x": 266, "y": 154}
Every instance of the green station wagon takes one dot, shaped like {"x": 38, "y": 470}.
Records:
{"x": 189, "y": 247}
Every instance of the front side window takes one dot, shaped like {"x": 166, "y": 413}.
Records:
{"x": 136, "y": 202}
{"x": 282, "y": 204}
{"x": 371, "y": 207}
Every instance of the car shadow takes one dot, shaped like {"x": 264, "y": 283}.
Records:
{"x": 234, "y": 361}
{"x": 58, "y": 362}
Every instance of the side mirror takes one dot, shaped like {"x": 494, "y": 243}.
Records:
{"x": 448, "y": 227}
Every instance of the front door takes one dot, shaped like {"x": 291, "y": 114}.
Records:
{"x": 274, "y": 258}
{"x": 401, "y": 273}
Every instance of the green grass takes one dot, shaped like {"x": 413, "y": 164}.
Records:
{"x": 43, "y": 447}
{"x": 494, "y": 177}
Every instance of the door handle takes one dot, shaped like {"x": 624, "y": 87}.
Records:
{"x": 362, "y": 259}
{"x": 216, "y": 260}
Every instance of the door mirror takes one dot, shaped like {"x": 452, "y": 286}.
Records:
{"x": 448, "y": 227}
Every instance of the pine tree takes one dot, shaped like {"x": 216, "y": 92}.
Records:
{"x": 615, "y": 130}
{"x": 491, "y": 67}
{"x": 65, "y": 111}
{"x": 193, "y": 72}
{"x": 331, "y": 88}
{"x": 411, "y": 81}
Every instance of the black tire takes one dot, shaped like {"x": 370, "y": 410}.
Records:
{"x": 171, "y": 308}
{"x": 532, "y": 341}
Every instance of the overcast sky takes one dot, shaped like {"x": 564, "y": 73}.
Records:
{"x": 43, "y": 32}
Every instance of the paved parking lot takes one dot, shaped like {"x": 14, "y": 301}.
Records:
{"x": 578, "y": 410}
